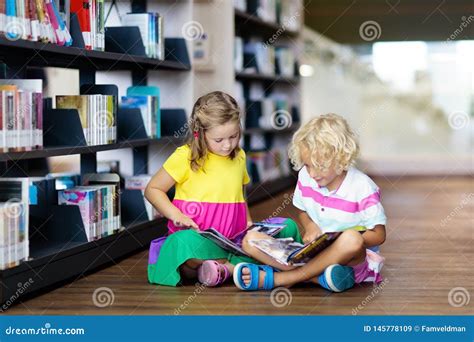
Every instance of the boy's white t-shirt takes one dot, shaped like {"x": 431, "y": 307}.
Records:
{"x": 355, "y": 203}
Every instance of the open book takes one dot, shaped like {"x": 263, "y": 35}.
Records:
{"x": 288, "y": 252}
{"x": 234, "y": 244}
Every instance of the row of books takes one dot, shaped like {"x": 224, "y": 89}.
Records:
{"x": 36, "y": 20}
{"x": 14, "y": 219}
{"x": 21, "y": 115}
{"x": 151, "y": 31}
{"x": 90, "y": 14}
{"x": 256, "y": 57}
{"x": 283, "y": 12}
{"x": 139, "y": 182}
{"x": 98, "y": 115}
{"x": 99, "y": 204}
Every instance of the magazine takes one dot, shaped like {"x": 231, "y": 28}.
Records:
{"x": 234, "y": 244}
{"x": 288, "y": 252}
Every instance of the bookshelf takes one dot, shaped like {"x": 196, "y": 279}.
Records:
{"x": 249, "y": 27}
{"x": 59, "y": 250}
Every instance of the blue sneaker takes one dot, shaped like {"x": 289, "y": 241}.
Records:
{"x": 337, "y": 278}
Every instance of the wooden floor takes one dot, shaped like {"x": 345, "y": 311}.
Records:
{"x": 429, "y": 253}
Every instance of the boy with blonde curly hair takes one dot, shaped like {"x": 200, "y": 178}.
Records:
{"x": 331, "y": 195}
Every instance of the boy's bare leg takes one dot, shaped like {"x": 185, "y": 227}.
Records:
{"x": 348, "y": 249}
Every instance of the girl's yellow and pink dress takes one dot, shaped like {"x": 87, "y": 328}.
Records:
{"x": 213, "y": 197}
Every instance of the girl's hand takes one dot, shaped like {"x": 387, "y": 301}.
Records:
{"x": 249, "y": 223}
{"x": 311, "y": 233}
{"x": 182, "y": 220}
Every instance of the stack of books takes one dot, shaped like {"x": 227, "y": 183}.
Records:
{"x": 14, "y": 218}
{"x": 90, "y": 14}
{"x": 21, "y": 115}
{"x": 99, "y": 204}
{"x": 98, "y": 114}
{"x": 36, "y": 20}
{"x": 140, "y": 182}
{"x": 151, "y": 31}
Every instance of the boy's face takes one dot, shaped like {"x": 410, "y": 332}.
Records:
{"x": 223, "y": 139}
{"x": 324, "y": 177}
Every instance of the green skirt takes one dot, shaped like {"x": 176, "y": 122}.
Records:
{"x": 187, "y": 244}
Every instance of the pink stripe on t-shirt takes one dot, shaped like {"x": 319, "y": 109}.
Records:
{"x": 339, "y": 203}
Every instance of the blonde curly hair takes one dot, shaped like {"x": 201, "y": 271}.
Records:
{"x": 329, "y": 140}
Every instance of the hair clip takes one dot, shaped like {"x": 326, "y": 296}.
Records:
{"x": 196, "y": 134}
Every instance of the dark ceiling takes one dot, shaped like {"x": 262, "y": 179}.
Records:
{"x": 391, "y": 20}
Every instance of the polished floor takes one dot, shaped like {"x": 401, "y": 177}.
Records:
{"x": 428, "y": 270}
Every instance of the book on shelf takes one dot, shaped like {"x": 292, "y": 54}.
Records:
{"x": 234, "y": 244}
{"x": 64, "y": 180}
{"x": 264, "y": 9}
{"x": 259, "y": 58}
{"x": 151, "y": 30}
{"x": 14, "y": 219}
{"x": 238, "y": 54}
{"x": 149, "y": 107}
{"x": 35, "y": 20}
{"x": 90, "y": 14}
{"x": 140, "y": 182}
{"x": 21, "y": 115}
{"x": 98, "y": 116}
{"x": 99, "y": 204}
{"x": 285, "y": 61}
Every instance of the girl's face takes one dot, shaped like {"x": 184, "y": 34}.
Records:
{"x": 328, "y": 178}
{"x": 223, "y": 139}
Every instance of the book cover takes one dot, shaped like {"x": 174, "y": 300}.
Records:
{"x": 82, "y": 10}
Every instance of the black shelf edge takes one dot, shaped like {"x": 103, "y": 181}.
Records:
{"x": 45, "y": 54}
{"x": 62, "y": 151}
{"x": 51, "y": 271}
{"x": 242, "y": 76}
{"x": 261, "y": 191}
{"x": 254, "y": 24}
{"x": 257, "y": 130}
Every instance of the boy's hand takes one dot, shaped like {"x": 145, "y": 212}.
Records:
{"x": 182, "y": 220}
{"x": 311, "y": 233}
